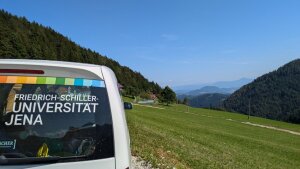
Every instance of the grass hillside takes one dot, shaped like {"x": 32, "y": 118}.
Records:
{"x": 169, "y": 136}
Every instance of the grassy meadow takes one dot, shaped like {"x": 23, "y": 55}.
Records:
{"x": 181, "y": 137}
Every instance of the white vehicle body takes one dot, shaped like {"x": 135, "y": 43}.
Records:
{"x": 121, "y": 142}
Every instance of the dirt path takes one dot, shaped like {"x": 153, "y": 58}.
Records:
{"x": 254, "y": 124}
{"x": 273, "y": 128}
{"x": 148, "y": 106}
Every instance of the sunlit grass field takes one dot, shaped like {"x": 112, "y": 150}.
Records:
{"x": 181, "y": 137}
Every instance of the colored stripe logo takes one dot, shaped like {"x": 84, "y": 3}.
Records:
{"x": 52, "y": 81}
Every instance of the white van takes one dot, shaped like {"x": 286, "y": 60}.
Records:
{"x": 61, "y": 115}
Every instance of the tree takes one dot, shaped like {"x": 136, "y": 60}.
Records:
{"x": 185, "y": 101}
{"x": 132, "y": 91}
{"x": 167, "y": 95}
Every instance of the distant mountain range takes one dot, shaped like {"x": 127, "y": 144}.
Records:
{"x": 211, "y": 89}
{"x": 207, "y": 96}
{"x": 275, "y": 95}
{"x": 235, "y": 84}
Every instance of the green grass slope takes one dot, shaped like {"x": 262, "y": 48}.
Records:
{"x": 172, "y": 137}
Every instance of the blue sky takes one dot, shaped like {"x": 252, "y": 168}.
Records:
{"x": 176, "y": 42}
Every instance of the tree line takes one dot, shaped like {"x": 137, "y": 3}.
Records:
{"x": 21, "y": 39}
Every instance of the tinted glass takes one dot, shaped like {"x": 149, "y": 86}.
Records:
{"x": 40, "y": 120}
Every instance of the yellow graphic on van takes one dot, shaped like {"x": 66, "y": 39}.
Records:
{"x": 43, "y": 151}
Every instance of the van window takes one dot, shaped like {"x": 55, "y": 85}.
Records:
{"x": 54, "y": 116}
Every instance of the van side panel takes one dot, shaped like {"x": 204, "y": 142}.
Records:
{"x": 121, "y": 135}
{"x": 108, "y": 163}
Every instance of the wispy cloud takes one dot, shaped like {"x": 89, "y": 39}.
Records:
{"x": 169, "y": 37}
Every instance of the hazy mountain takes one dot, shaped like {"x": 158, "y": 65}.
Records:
{"x": 275, "y": 95}
{"x": 211, "y": 89}
{"x": 221, "y": 84}
{"x": 207, "y": 96}
{"x": 233, "y": 84}
{"x": 181, "y": 92}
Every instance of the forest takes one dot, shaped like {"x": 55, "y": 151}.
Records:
{"x": 275, "y": 95}
{"x": 21, "y": 39}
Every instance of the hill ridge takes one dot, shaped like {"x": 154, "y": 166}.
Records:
{"x": 21, "y": 39}
{"x": 275, "y": 95}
